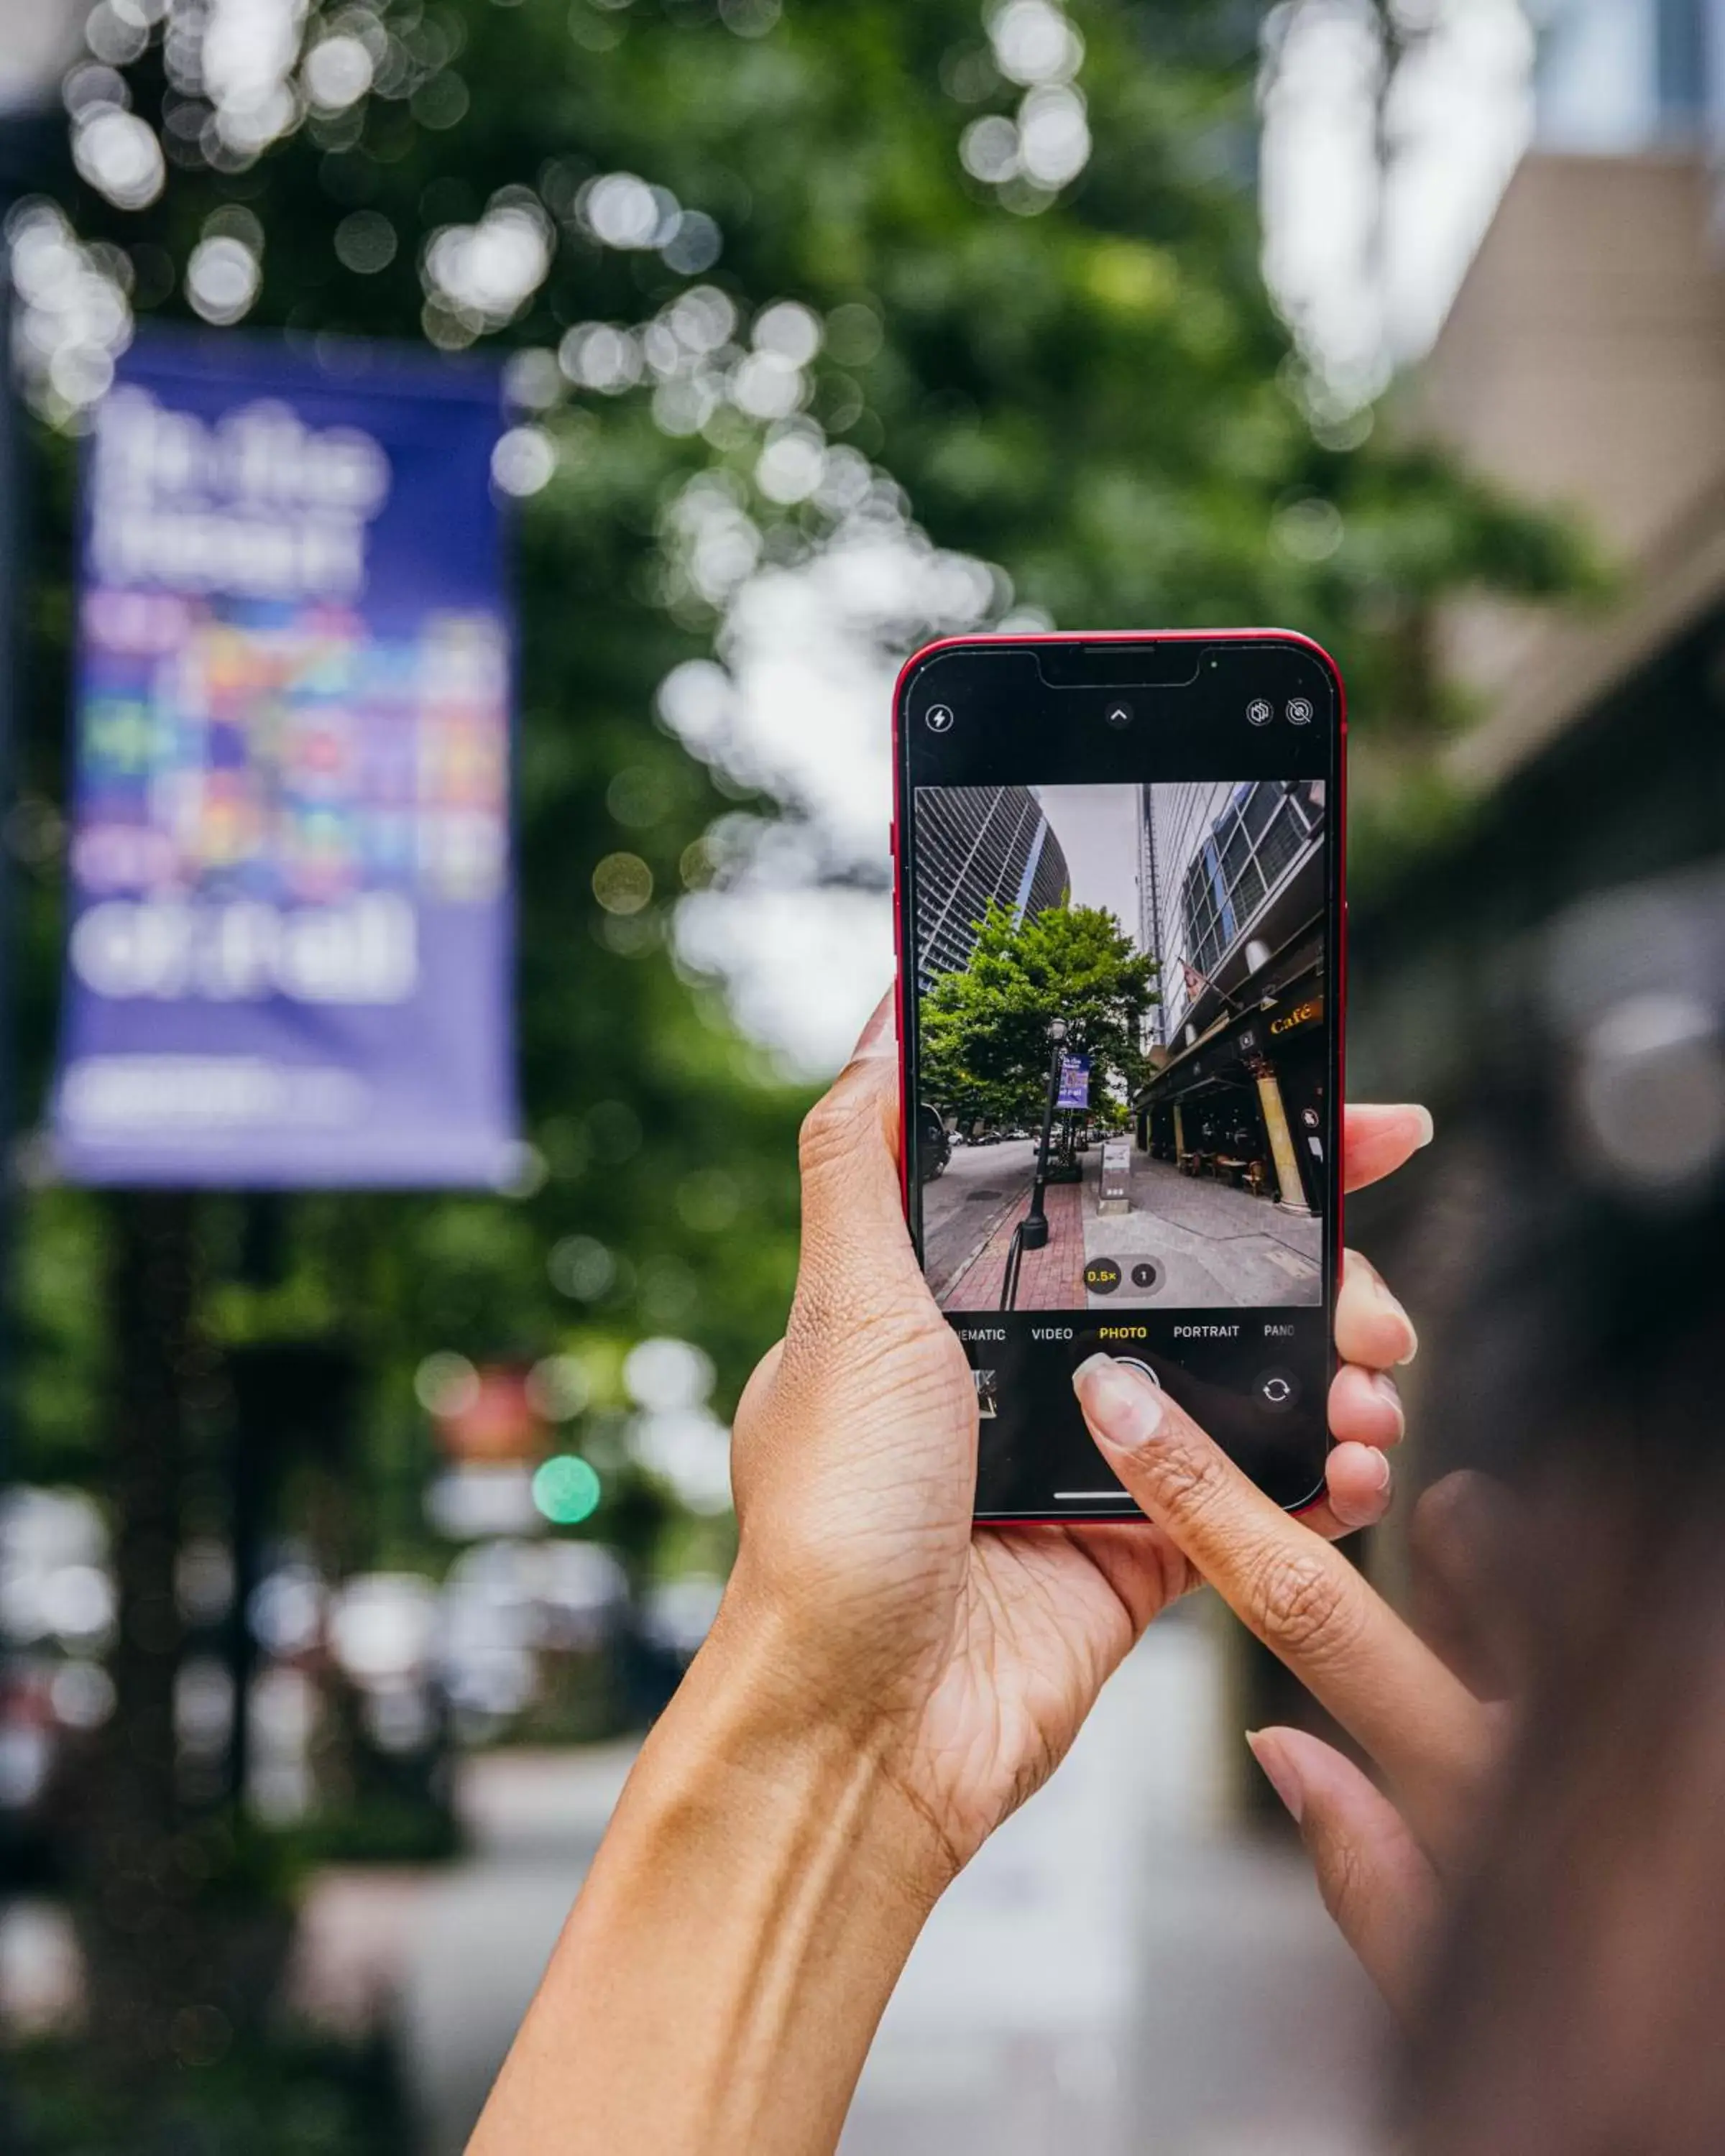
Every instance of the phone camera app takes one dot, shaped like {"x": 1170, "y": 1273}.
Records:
{"x": 938, "y": 719}
{"x": 1299, "y": 711}
{"x": 1117, "y": 1069}
{"x": 1259, "y": 713}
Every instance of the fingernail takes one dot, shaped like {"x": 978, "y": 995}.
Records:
{"x": 1384, "y": 1470}
{"x": 1427, "y": 1128}
{"x": 1279, "y": 1770}
{"x": 877, "y": 1036}
{"x": 1387, "y": 1390}
{"x": 1124, "y": 1409}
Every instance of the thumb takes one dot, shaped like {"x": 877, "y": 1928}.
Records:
{"x": 1375, "y": 1882}
{"x": 858, "y": 1267}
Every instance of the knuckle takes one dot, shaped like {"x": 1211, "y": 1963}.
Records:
{"x": 846, "y": 1127}
{"x": 1345, "y": 1881}
{"x": 828, "y": 1132}
{"x": 1189, "y": 1481}
{"x": 1300, "y": 1603}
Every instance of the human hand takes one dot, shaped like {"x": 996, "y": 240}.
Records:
{"x": 885, "y": 1681}
{"x": 1380, "y": 1859}
{"x": 961, "y": 1659}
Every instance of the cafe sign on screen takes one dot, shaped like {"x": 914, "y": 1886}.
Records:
{"x": 290, "y": 952}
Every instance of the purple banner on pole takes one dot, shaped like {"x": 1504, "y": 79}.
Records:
{"x": 1075, "y": 1082}
{"x": 291, "y": 947}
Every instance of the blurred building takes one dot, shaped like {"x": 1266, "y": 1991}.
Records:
{"x": 1552, "y": 978}
{"x": 1584, "y": 365}
{"x": 1617, "y": 76}
{"x": 1231, "y": 883}
{"x": 978, "y": 846}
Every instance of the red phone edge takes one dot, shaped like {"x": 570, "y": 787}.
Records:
{"x": 1134, "y": 636}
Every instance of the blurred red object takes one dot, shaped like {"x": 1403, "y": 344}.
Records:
{"x": 493, "y": 1419}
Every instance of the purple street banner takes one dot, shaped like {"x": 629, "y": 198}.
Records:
{"x": 289, "y": 957}
{"x": 1075, "y": 1082}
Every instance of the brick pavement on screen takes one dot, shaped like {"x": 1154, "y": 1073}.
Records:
{"x": 1051, "y": 1278}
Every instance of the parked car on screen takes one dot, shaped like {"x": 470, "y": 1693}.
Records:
{"x": 934, "y": 1144}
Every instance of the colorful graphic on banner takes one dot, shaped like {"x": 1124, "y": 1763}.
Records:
{"x": 291, "y": 947}
{"x": 1075, "y": 1082}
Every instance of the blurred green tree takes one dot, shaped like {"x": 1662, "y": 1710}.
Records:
{"x": 1020, "y": 244}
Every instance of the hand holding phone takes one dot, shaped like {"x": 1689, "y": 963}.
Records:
{"x": 863, "y": 1587}
{"x": 886, "y": 1682}
{"x": 1120, "y": 915}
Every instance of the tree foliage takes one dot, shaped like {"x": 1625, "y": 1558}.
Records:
{"x": 985, "y": 1039}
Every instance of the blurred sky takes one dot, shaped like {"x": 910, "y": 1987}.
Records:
{"x": 1366, "y": 273}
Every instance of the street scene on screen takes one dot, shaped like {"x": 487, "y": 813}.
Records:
{"x": 1122, "y": 1066}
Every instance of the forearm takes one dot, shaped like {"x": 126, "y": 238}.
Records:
{"x": 719, "y": 1979}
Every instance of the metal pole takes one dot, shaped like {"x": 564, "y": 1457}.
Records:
{"x": 1035, "y": 1222}
{"x": 1031, "y": 1234}
{"x": 14, "y": 147}
{"x": 33, "y": 154}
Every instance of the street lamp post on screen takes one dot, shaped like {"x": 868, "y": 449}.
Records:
{"x": 1031, "y": 1234}
{"x": 39, "y": 39}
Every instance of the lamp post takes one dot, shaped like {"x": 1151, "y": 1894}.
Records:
{"x": 39, "y": 39}
{"x": 1035, "y": 1225}
{"x": 1031, "y": 1234}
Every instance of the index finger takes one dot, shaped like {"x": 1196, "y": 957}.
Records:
{"x": 1302, "y": 1598}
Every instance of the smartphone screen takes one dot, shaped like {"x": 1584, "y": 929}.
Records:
{"x": 1119, "y": 905}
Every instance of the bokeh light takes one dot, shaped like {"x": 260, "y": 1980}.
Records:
{"x": 119, "y": 155}
{"x": 524, "y": 460}
{"x": 566, "y": 1489}
{"x": 446, "y": 1384}
{"x": 223, "y": 278}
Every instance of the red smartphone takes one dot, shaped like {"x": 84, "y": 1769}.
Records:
{"x": 1121, "y": 928}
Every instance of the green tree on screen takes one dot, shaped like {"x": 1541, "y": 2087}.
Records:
{"x": 985, "y": 1041}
